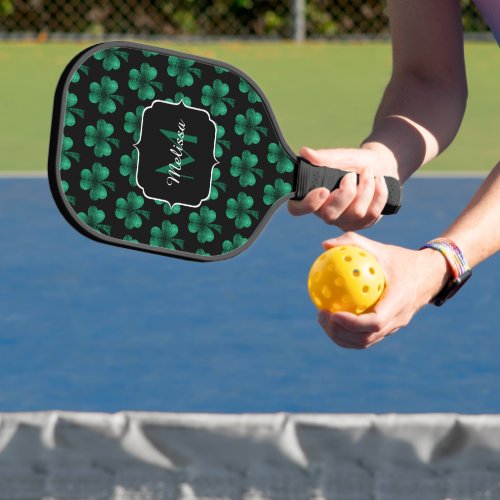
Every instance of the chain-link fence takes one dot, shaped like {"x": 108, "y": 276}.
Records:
{"x": 193, "y": 18}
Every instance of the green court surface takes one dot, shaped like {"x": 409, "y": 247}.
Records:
{"x": 323, "y": 94}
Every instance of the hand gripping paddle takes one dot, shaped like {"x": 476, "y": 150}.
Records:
{"x": 171, "y": 153}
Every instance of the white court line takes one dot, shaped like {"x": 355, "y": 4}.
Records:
{"x": 454, "y": 174}
{"x": 23, "y": 174}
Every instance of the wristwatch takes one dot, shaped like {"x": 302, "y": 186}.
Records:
{"x": 460, "y": 270}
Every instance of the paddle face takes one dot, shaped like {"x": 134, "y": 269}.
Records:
{"x": 165, "y": 152}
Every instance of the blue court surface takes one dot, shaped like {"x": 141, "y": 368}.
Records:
{"x": 91, "y": 327}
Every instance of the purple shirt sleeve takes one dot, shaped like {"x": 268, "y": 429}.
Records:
{"x": 490, "y": 9}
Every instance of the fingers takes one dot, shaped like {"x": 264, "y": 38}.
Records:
{"x": 356, "y": 204}
{"x": 355, "y": 332}
{"x": 310, "y": 204}
{"x": 337, "y": 201}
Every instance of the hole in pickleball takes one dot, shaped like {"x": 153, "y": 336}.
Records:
{"x": 346, "y": 299}
{"x": 372, "y": 270}
{"x": 317, "y": 300}
{"x": 362, "y": 254}
{"x": 330, "y": 268}
{"x": 356, "y": 273}
{"x": 366, "y": 289}
{"x": 337, "y": 306}
{"x": 339, "y": 281}
{"x": 360, "y": 309}
{"x": 348, "y": 258}
{"x": 327, "y": 293}
{"x": 379, "y": 288}
{"x": 317, "y": 276}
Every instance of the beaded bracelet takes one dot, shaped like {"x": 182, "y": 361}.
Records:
{"x": 452, "y": 254}
{"x": 460, "y": 269}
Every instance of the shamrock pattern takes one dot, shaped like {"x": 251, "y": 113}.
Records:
{"x": 99, "y": 138}
{"x": 94, "y": 219}
{"x": 130, "y": 210}
{"x": 202, "y": 224}
{"x": 133, "y": 121}
{"x": 215, "y": 97}
{"x": 112, "y": 58}
{"x": 249, "y": 127}
{"x": 240, "y": 210}
{"x": 95, "y": 182}
{"x": 104, "y": 106}
{"x": 165, "y": 236}
{"x": 72, "y": 110}
{"x": 182, "y": 70}
{"x": 104, "y": 95}
{"x": 245, "y": 168}
{"x": 143, "y": 80}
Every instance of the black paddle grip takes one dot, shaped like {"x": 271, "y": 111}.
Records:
{"x": 310, "y": 177}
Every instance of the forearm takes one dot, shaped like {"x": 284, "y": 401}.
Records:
{"x": 416, "y": 120}
{"x": 477, "y": 230}
{"x": 424, "y": 103}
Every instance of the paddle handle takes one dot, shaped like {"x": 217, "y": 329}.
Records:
{"x": 309, "y": 177}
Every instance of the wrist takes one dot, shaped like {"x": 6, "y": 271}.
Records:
{"x": 437, "y": 272}
{"x": 386, "y": 156}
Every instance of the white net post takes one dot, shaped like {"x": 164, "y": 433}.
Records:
{"x": 299, "y": 20}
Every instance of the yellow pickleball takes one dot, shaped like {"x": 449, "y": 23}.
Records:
{"x": 346, "y": 278}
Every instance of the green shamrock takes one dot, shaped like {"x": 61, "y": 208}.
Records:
{"x": 220, "y": 142}
{"x": 96, "y": 182}
{"x": 216, "y": 185}
{"x": 248, "y": 127}
{"x": 171, "y": 210}
{"x": 180, "y": 97}
{"x": 104, "y": 95}
{"x": 133, "y": 122}
{"x": 148, "y": 53}
{"x": 71, "y": 111}
{"x": 128, "y": 166}
{"x": 93, "y": 219}
{"x": 67, "y": 154}
{"x": 276, "y": 154}
{"x": 244, "y": 168}
{"x": 182, "y": 70}
{"x": 229, "y": 246}
{"x": 76, "y": 75}
{"x": 220, "y": 70}
{"x": 214, "y": 96}
{"x": 202, "y": 224}
{"x": 65, "y": 187}
{"x": 274, "y": 193}
{"x": 143, "y": 80}
{"x": 129, "y": 210}
{"x": 245, "y": 87}
{"x": 127, "y": 237}
{"x": 99, "y": 138}
{"x": 111, "y": 58}
{"x": 239, "y": 210}
{"x": 200, "y": 251}
{"x": 164, "y": 237}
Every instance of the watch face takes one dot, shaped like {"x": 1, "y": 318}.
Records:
{"x": 451, "y": 288}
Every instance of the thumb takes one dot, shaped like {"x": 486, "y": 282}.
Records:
{"x": 339, "y": 158}
{"x": 349, "y": 238}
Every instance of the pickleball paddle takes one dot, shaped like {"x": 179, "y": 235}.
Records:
{"x": 171, "y": 153}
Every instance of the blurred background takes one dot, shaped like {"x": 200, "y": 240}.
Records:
{"x": 294, "y": 19}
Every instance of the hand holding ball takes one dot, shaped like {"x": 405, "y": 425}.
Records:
{"x": 346, "y": 278}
